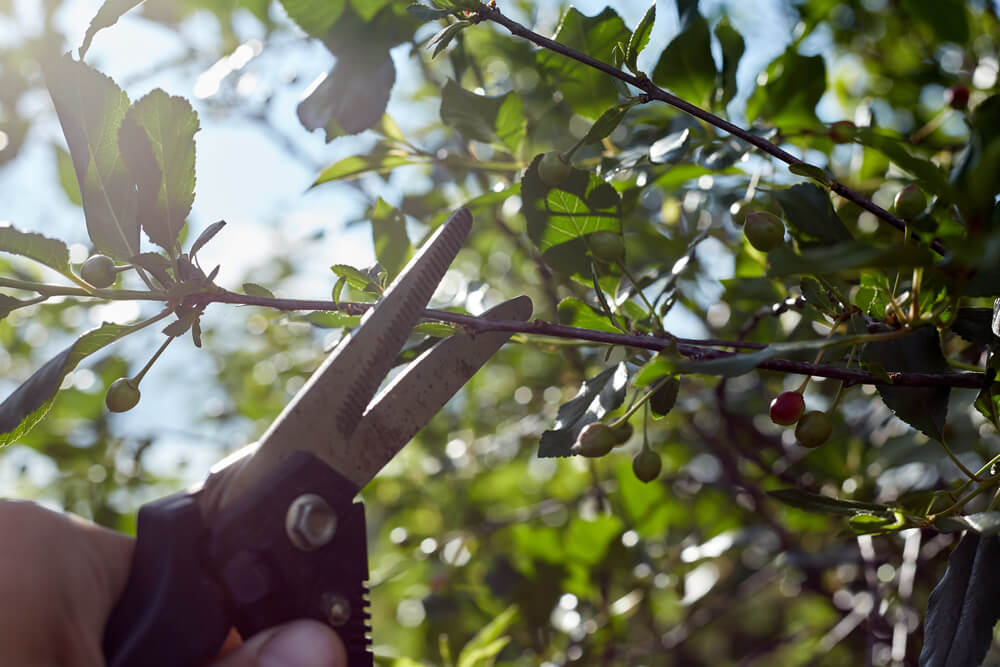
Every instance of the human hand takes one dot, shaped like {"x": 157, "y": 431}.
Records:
{"x": 60, "y": 577}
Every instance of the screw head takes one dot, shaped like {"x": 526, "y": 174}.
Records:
{"x": 338, "y": 609}
{"x": 310, "y": 522}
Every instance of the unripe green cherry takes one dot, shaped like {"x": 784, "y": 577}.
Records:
{"x": 764, "y": 231}
{"x": 123, "y": 395}
{"x": 607, "y": 247}
{"x": 842, "y": 132}
{"x": 553, "y": 169}
{"x": 813, "y": 429}
{"x": 646, "y": 465}
{"x": 910, "y": 202}
{"x": 99, "y": 271}
{"x": 595, "y": 440}
{"x": 622, "y": 433}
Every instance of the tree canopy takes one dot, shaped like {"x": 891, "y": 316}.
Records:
{"x": 756, "y": 419}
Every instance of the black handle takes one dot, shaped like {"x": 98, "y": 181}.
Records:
{"x": 191, "y": 582}
{"x": 171, "y": 613}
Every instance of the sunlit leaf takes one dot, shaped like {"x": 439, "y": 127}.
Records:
{"x": 789, "y": 97}
{"x": 499, "y": 120}
{"x": 686, "y": 67}
{"x": 50, "y": 252}
{"x": 106, "y": 16}
{"x": 596, "y": 398}
{"x": 640, "y": 37}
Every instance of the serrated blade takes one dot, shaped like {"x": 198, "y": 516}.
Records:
{"x": 324, "y": 414}
{"x": 419, "y": 393}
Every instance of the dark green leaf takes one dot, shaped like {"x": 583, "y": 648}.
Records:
{"x": 315, "y": 17}
{"x": 91, "y": 108}
{"x": 159, "y": 129}
{"x": 984, "y": 523}
{"x": 846, "y": 256}
{"x": 560, "y": 217}
{"x": 964, "y": 606}
{"x": 26, "y": 406}
{"x": 738, "y": 364}
{"x": 578, "y": 314}
{"x": 975, "y": 175}
{"x": 988, "y": 403}
{"x": 206, "y": 236}
{"x": 732, "y": 50}
{"x": 809, "y": 171}
{"x": 671, "y": 148}
{"x": 789, "y": 98}
{"x": 686, "y": 66}
{"x": 587, "y": 91}
{"x": 640, "y": 37}
{"x": 947, "y": 18}
{"x": 392, "y": 246}
{"x": 352, "y": 98}
{"x": 106, "y": 16}
{"x": 606, "y": 124}
{"x": 497, "y": 120}
{"x": 816, "y": 296}
{"x": 814, "y": 502}
{"x": 901, "y": 152}
{"x": 443, "y": 38}
{"x": 974, "y": 325}
{"x": 810, "y": 215}
{"x": 158, "y": 265}
{"x": 9, "y": 303}
{"x": 425, "y": 13}
{"x": 923, "y": 408}
{"x": 596, "y": 398}
{"x": 53, "y": 253}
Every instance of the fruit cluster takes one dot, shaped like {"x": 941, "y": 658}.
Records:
{"x": 812, "y": 428}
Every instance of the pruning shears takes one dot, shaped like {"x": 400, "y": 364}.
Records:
{"x": 275, "y": 533}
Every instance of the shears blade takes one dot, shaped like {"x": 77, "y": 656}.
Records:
{"x": 324, "y": 414}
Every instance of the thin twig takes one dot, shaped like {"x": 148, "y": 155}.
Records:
{"x": 654, "y": 92}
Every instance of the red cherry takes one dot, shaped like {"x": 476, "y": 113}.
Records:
{"x": 787, "y": 407}
{"x": 957, "y": 97}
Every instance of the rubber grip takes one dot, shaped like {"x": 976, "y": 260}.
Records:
{"x": 172, "y": 613}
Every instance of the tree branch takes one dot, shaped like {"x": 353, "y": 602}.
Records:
{"x": 696, "y": 349}
{"x": 654, "y": 92}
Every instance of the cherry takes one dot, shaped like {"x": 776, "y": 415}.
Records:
{"x": 842, "y": 132}
{"x": 957, "y": 97}
{"x": 622, "y": 433}
{"x": 123, "y": 395}
{"x": 646, "y": 465}
{"x": 606, "y": 247}
{"x": 813, "y": 429}
{"x": 787, "y": 407}
{"x": 764, "y": 231}
{"x": 553, "y": 169}
{"x": 909, "y": 202}
{"x": 99, "y": 271}
{"x": 595, "y": 440}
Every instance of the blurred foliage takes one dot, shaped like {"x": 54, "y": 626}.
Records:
{"x": 574, "y": 560}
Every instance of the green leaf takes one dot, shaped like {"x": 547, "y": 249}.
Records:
{"x": 809, "y": 171}
{"x": 923, "y": 408}
{"x": 898, "y": 149}
{"x": 974, "y": 325}
{"x": 67, "y": 176}
{"x": 984, "y": 523}
{"x": 846, "y": 256}
{"x": 435, "y": 329}
{"x": 253, "y": 289}
{"x": 157, "y": 140}
{"x": 988, "y": 403}
{"x": 738, "y": 364}
{"x": 947, "y": 18}
{"x": 868, "y": 523}
{"x": 356, "y": 278}
{"x": 576, "y": 313}
{"x": 332, "y": 319}
{"x": 965, "y": 605}
{"x": 686, "y": 66}
{"x": 392, "y": 246}
{"x": 975, "y": 174}
{"x": 640, "y": 37}
{"x": 560, "y": 217}
{"x": 814, "y": 502}
{"x": 486, "y": 643}
{"x": 810, "y": 215}
{"x": 315, "y": 17}
{"x": 732, "y": 50}
{"x": 381, "y": 160}
{"x": 91, "y": 108}
{"x": 206, "y": 236}
{"x": 496, "y": 120}
{"x": 795, "y": 83}
{"x": 606, "y": 124}
{"x": 106, "y": 16}
{"x": 26, "y": 406}
{"x": 352, "y": 97}
{"x": 53, "y": 253}
{"x": 8, "y": 304}
{"x": 587, "y": 91}
{"x": 443, "y": 38}
{"x": 425, "y": 13}
{"x": 596, "y": 397}
{"x": 817, "y": 297}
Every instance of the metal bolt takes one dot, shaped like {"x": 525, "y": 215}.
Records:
{"x": 338, "y": 609}
{"x": 310, "y": 522}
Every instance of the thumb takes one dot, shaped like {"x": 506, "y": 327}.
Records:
{"x": 295, "y": 644}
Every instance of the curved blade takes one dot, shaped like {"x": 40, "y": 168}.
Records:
{"x": 419, "y": 393}
{"x": 328, "y": 408}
